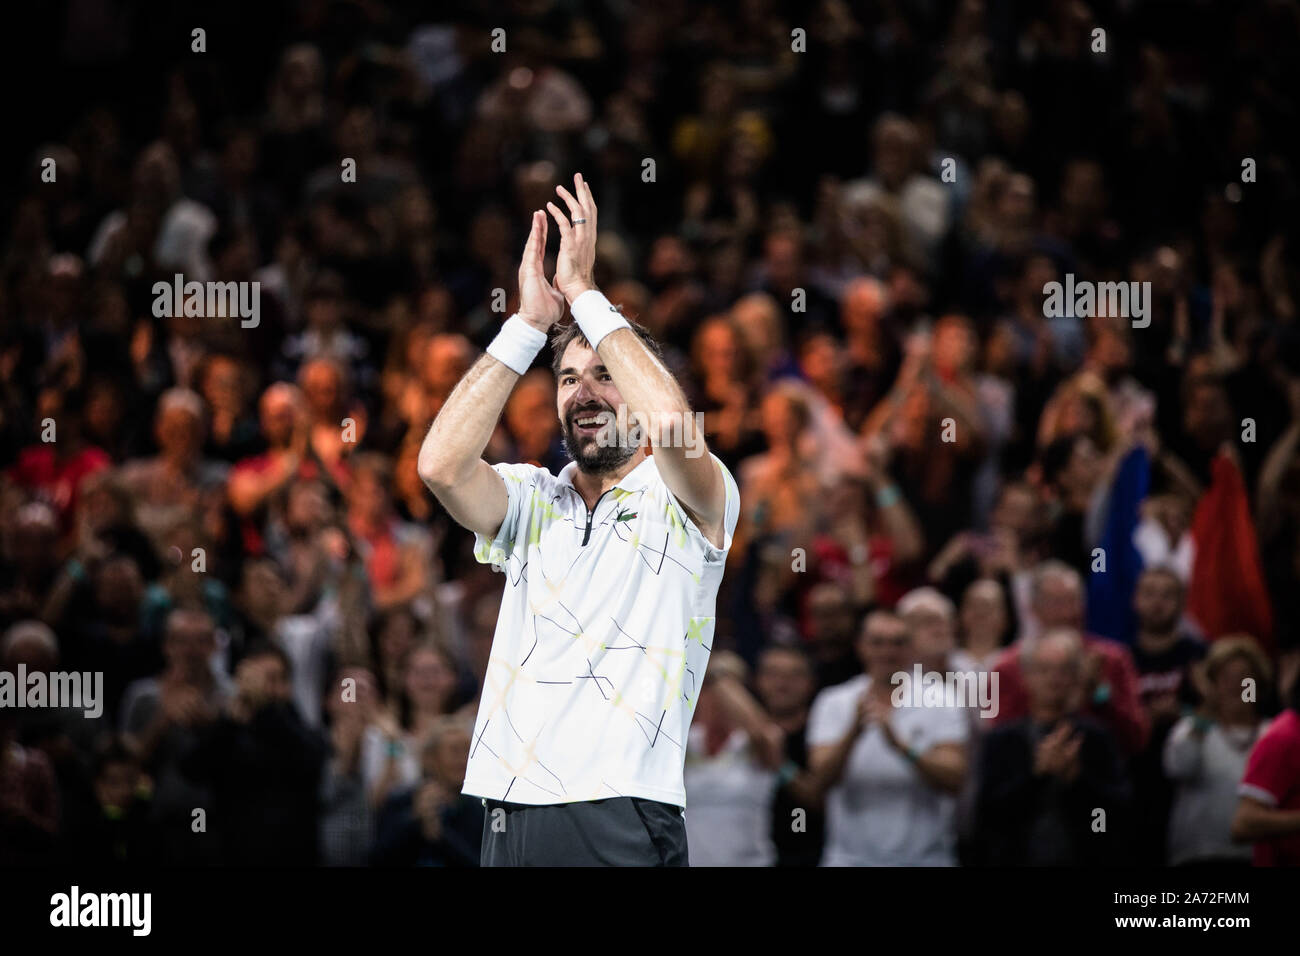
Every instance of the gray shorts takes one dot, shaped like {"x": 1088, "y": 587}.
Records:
{"x": 619, "y": 831}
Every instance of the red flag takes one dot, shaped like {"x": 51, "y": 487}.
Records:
{"x": 1227, "y": 593}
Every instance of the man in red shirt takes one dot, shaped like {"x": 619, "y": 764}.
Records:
{"x": 55, "y": 468}
{"x": 1110, "y": 686}
{"x": 1268, "y": 812}
{"x": 258, "y": 484}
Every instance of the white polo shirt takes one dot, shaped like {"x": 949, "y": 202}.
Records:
{"x": 605, "y": 630}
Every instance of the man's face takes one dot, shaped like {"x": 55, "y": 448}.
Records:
{"x": 588, "y": 402}
{"x": 178, "y": 431}
{"x": 831, "y": 621}
{"x": 321, "y": 386}
{"x": 1059, "y": 602}
{"x": 1052, "y": 676}
{"x": 1158, "y": 601}
{"x": 932, "y": 636}
{"x": 190, "y": 643}
{"x": 278, "y": 416}
{"x": 783, "y": 681}
{"x": 885, "y": 646}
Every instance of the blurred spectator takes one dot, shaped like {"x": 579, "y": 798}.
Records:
{"x": 1165, "y": 654}
{"x": 984, "y": 626}
{"x": 1044, "y": 777}
{"x": 430, "y": 822}
{"x": 162, "y": 719}
{"x": 120, "y": 834}
{"x": 1268, "y": 811}
{"x": 263, "y": 765}
{"x": 1110, "y": 691}
{"x": 888, "y": 773}
{"x": 784, "y": 685}
{"x": 390, "y": 751}
{"x": 171, "y": 484}
{"x": 1205, "y": 755}
{"x": 732, "y": 761}
{"x": 55, "y": 469}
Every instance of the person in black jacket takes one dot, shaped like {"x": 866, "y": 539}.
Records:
{"x": 263, "y": 764}
{"x": 1052, "y": 788}
{"x": 432, "y": 823}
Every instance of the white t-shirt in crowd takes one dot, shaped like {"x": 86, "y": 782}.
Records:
{"x": 1205, "y": 771}
{"x": 605, "y": 630}
{"x": 729, "y": 822}
{"x": 882, "y": 812}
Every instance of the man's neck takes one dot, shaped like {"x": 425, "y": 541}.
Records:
{"x": 1153, "y": 642}
{"x": 592, "y": 486}
{"x": 791, "y": 721}
{"x": 1046, "y": 716}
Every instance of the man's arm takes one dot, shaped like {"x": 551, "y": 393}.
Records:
{"x": 1256, "y": 821}
{"x": 828, "y": 759}
{"x": 652, "y": 394}
{"x": 725, "y": 678}
{"x": 451, "y": 458}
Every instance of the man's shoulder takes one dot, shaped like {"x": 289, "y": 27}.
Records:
{"x": 525, "y": 473}
{"x": 1002, "y": 732}
{"x": 1112, "y": 650}
{"x": 1284, "y": 729}
{"x": 1008, "y": 659}
{"x": 850, "y": 689}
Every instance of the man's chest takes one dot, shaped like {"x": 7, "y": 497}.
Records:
{"x": 623, "y": 537}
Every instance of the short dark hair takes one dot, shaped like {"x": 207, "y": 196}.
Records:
{"x": 566, "y": 335}
{"x": 265, "y": 647}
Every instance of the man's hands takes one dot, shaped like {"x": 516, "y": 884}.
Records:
{"x": 576, "y": 264}
{"x": 540, "y": 305}
{"x": 1057, "y": 754}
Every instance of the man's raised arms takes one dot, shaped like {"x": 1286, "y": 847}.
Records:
{"x": 451, "y": 458}
{"x": 652, "y": 394}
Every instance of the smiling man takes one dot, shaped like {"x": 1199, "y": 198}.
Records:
{"x": 612, "y": 572}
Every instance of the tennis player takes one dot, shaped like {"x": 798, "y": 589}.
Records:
{"x": 612, "y": 571}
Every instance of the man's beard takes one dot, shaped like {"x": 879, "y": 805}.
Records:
{"x": 593, "y": 457}
{"x": 1160, "y": 625}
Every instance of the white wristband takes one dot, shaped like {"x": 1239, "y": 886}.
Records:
{"x": 517, "y": 344}
{"x": 596, "y": 317}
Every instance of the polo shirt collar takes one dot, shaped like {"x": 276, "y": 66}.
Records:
{"x": 634, "y": 480}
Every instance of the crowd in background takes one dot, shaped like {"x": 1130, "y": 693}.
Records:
{"x": 844, "y": 247}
